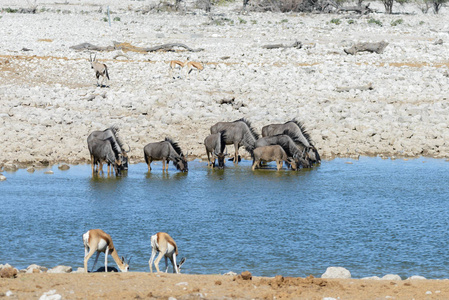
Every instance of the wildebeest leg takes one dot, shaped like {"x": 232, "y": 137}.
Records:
{"x": 208, "y": 158}
{"x": 236, "y": 157}
{"x": 163, "y": 164}
{"x": 93, "y": 164}
{"x": 149, "y": 164}
{"x": 279, "y": 164}
{"x": 255, "y": 164}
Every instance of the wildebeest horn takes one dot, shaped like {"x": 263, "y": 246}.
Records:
{"x": 129, "y": 148}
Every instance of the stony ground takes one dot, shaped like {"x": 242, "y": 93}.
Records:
{"x": 50, "y": 102}
{"x": 163, "y": 286}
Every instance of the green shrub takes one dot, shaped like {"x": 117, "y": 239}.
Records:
{"x": 284, "y": 20}
{"x": 242, "y": 21}
{"x": 117, "y": 19}
{"x": 374, "y": 21}
{"x": 397, "y": 22}
{"x": 336, "y": 21}
{"x": 105, "y": 19}
{"x": 351, "y": 21}
{"x": 10, "y": 10}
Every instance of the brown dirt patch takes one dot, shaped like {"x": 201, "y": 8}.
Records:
{"x": 146, "y": 285}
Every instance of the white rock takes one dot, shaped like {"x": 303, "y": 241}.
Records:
{"x": 416, "y": 277}
{"x": 50, "y": 295}
{"x": 2, "y": 178}
{"x": 336, "y": 272}
{"x": 60, "y": 269}
{"x": 391, "y": 277}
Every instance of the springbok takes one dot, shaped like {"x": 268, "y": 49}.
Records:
{"x": 164, "y": 244}
{"x": 96, "y": 240}
{"x": 176, "y": 64}
{"x": 100, "y": 69}
{"x": 191, "y": 65}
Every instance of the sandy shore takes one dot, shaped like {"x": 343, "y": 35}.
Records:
{"x": 49, "y": 101}
{"x": 149, "y": 286}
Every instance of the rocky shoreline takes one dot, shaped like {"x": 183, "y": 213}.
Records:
{"x": 49, "y": 101}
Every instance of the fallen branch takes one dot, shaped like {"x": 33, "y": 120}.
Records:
{"x": 358, "y": 9}
{"x": 120, "y": 54}
{"x": 297, "y": 45}
{"x": 369, "y": 47}
{"x": 367, "y": 87}
{"x": 125, "y": 47}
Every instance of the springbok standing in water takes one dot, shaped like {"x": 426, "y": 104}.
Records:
{"x": 164, "y": 244}
{"x": 96, "y": 240}
{"x": 100, "y": 69}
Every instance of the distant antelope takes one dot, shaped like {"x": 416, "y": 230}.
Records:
{"x": 191, "y": 65}
{"x": 176, "y": 64}
{"x": 96, "y": 240}
{"x": 100, "y": 69}
{"x": 164, "y": 244}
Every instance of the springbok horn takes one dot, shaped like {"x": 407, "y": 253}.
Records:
{"x": 129, "y": 260}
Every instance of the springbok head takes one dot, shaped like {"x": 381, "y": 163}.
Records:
{"x": 183, "y": 260}
{"x": 125, "y": 267}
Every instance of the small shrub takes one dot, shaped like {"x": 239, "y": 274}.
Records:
{"x": 254, "y": 22}
{"x": 397, "y": 22}
{"x": 105, "y": 19}
{"x": 117, "y": 19}
{"x": 351, "y": 21}
{"x": 336, "y": 21}
{"x": 10, "y": 10}
{"x": 242, "y": 21}
{"x": 374, "y": 21}
{"x": 422, "y": 23}
{"x": 284, "y": 20}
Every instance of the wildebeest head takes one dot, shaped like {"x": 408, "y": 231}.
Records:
{"x": 293, "y": 163}
{"x": 181, "y": 163}
{"x": 118, "y": 165}
{"x": 221, "y": 159}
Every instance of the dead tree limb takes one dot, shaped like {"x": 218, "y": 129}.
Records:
{"x": 369, "y": 47}
{"x": 125, "y": 47}
{"x": 367, "y": 87}
{"x": 296, "y": 44}
{"x": 358, "y": 9}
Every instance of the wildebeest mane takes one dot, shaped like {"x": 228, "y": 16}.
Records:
{"x": 222, "y": 141}
{"x": 293, "y": 136}
{"x": 302, "y": 128}
{"x": 115, "y": 129}
{"x": 174, "y": 145}
{"x": 251, "y": 129}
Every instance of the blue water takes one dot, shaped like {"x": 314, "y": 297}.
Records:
{"x": 373, "y": 217}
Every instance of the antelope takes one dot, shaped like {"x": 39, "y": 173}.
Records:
{"x": 174, "y": 64}
{"x": 194, "y": 65}
{"x": 96, "y": 240}
{"x": 164, "y": 244}
{"x": 100, "y": 69}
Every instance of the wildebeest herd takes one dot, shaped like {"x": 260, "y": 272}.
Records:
{"x": 288, "y": 142}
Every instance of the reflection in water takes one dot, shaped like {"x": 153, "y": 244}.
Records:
{"x": 373, "y": 216}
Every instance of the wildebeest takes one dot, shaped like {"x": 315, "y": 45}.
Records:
{"x": 99, "y": 68}
{"x": 165, "y": 150}
{"x": 215, "y": 145}
{"x": 272, "y": 153}
{"x": 237, "y": 133}
{"x": 99, "y": 140}
{"x": 290, "y": 147}
{"x": 105, "y": 147}
{"x": 298, "y": 129}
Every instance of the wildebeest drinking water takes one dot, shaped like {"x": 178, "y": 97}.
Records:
{"x": 215, "y": 145}
{"x": 165, "y": 150}
{"x": 298, "y": 129}
{"x": 290, "y": 147}
{"x": 106, "y": 146}
{"x": 272, "y": 153}
{"x": 238, "y": 133}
